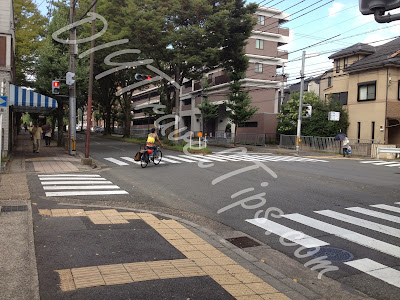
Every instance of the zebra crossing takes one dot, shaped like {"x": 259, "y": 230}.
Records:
{"x": 381, "y": 163}
{"x": 58, "y": 185}
{"x": 366, "y": 265}
{"x": 212, "y": 158}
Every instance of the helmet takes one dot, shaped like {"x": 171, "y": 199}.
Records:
{"x": 149, "y": 151}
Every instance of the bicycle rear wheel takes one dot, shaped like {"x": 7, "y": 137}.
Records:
{"x": 144, "y": 160}
{"x": 157, "y": 157}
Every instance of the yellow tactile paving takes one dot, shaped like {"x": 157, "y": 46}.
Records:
{"x": 202, "y": 259}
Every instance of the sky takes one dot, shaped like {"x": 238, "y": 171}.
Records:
{"x": 334, "y": 25}
{"x": 339, "y": 23}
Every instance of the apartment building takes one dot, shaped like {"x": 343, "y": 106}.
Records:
{"x": 261, "y": 81}
{"x": 7, "y": 70}
{"x": 366, "y": 80}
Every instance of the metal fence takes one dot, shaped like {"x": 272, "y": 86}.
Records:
{"x": 363, "y": 147}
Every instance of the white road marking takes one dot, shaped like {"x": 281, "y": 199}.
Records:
{"x": 69, "y": 178}
{"x": 116, "y": 161}
{"x": 182, "y": 159}
{"x": 288, "y": 233}
{"x": 346, "y": 234}
{"x": 360, "y": 222}
{"x": 130, "y": 159}
{"x": 387, "y": 207}
{"x": 170, "y": 160}
{"x": 227, "y": 157}
{"x": 69, "y": 175}
{"x": 375, "y": 214}
{"x": 369, "y": 161}
{"x": 80, "y": 187}
{"x": 393, "y": 165}
{"x": 85, "y": 193}
{"x": 76, "y": 182}
{"x": 382, "y": 163}
{"x": 210, "y": 157}
{"x": 377, "y": 270}
{"x": 195, "y": 158}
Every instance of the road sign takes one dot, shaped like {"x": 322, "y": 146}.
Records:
{"x": 3, "y": 101}
{"x": 334, "y": 116}
{"x": 200, "y": 134}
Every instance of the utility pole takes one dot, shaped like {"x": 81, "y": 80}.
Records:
{"x": 300, "y": 103}
{"x": 90, "y": 92}
{"x": 282, "y": 85}
{"x": 72, "y": 88}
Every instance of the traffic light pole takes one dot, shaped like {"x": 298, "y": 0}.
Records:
{"x": 72, "y": 87}
{"x": 300, "y": 103}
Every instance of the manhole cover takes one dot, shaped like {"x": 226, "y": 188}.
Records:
{"x": 14, "y": 208}
{"x": 243, "y": 242}
{"x": 332, "y": 254}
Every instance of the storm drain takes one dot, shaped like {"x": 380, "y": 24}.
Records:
{"x": 332, "y": 254}
{"x": 243, "y": 242}
{"x": 14, "y": 208}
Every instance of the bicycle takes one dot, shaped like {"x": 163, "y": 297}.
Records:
{"x": 147, "y": 157}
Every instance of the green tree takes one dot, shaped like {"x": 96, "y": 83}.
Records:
{"x": 30, "y": 28}
{"x": 209, "y": 111}
{"x": 240, "y": 23}
{"x": 317, "y": 124}
{"x": 53, "y": 62}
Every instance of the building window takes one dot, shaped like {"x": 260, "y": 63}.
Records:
{"x": 3, "y": 51}
{"x": 358, "y": 131}
{"x": 329, "y": 81}
{"x": 260, "y": 20}
{"x": 398, "y": 91}
{"x": 373, "y": 131}
{"x": 338, "y": 66}
{"x": 187, "y": 101}
{"x": 258, "y": 68}
{"x": 345, "y": 62}
{"x": 259, "y": 44}
{"x": 248, "y": 124}
{"x": 366, "y": 91}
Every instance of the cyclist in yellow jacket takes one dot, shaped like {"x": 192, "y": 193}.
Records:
{"x": 151, "y": 139}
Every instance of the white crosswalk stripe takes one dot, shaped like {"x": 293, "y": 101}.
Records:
{"x": 381, "y": 163}
{"x": 366, "y": 265}
{"x": 377, "y": 270}
{"x": 288, "y": 233}
{"x": 195, "y": 158}
{"x": 59, "y": 185}
{"x": 116, "y": 161}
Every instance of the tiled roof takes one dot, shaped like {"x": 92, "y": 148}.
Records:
{"x": 358, "y": 48}
{"x": 383, "y": 55}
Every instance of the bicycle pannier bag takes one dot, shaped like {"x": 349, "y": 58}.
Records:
{"x": 137, "y": 156}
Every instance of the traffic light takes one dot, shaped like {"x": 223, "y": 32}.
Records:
{"x": 368, "y": 7}
{"x": 308, "y": 111}
{"x": 142, "y": 77}
{"x": 70, "y": 78}
{"x": 55, "y": 87}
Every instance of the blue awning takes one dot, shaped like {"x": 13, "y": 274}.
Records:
{"x": 26, "y": 98}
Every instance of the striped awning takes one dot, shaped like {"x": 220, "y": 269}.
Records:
{"x": 27, "y": 98}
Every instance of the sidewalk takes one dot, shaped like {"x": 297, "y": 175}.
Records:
{"x": 91, "y": 252}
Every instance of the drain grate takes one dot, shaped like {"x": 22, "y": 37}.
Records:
{"x": 243, "y": 242}
{"x": 14, "y": 208}
{"x": 332, "y": 254}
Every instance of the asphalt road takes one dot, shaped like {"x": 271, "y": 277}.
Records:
{"x": 333, "y": 202}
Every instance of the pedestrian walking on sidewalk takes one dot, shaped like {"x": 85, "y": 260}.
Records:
{"x": 47, "y": 134}
{"x": 25, "y": 126}
{"x": 36, "y": 137}
{"x": 346, "y": 145}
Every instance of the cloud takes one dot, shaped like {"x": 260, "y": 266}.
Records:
{"x": 372, "y": 38}
{"x": 336, "y": 7}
